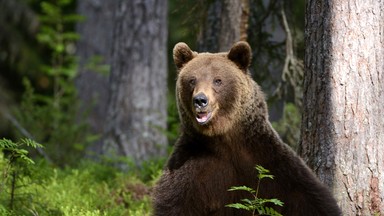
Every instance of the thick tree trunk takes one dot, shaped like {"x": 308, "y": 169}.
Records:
{"x": 95, "y": 41}
{"x": 226, "y": 23}
{"x": 343, "y": 124}
{"x": 136, "y": 114}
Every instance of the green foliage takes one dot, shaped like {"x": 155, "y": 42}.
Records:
{"x": 289, "y": 126}
{"x": 173, "y": 120}
{"x": 14, "y": 150}
{"x": 91, "y": 189}
{"x": 257, "y": 205}
{"x": 96, "y": 64}
{"x": 151, "y": 170}
{"x": 52, "y": 116}
{"x": 15, "y": 165}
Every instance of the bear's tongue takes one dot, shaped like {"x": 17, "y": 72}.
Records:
{"x": 202, "y": 117}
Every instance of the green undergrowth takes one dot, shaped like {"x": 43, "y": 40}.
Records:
{"x": 91, "y": 189}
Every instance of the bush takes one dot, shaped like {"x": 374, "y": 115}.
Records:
{"x": 90, "y": 189}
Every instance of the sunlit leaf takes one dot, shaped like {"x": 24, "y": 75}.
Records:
{"x": 242, "y": 188}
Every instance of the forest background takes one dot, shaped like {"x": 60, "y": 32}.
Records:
{"x": 87, "y": 107}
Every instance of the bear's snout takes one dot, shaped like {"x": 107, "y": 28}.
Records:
{"x": 200, "y": 101}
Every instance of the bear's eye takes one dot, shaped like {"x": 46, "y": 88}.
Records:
{"x": 192, "y": 82}
{"x": 217, "y": 82}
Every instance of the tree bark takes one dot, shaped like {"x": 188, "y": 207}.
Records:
{"x": 226, "y": 22}
{"x": 343, "y": 125}
{"x": 95, "y": 41}
{"x": 136, "y": 113}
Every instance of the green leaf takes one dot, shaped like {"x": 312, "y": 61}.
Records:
{"x": 261, "y": 176}
{"x": 48, "y": 36}
{"x": 261, "y": 169}
{"x": 70, "y": 36}
{"x": 31, "y": 143}
{"x": 250, "y": 202}
{"x": 27, "y": 159}
{"x": 242, "y": 188}
{"x": 238, "y": 206}
{"x": 50, "y": 9}
{"x": 96, "y": 64}
{"x": 21, "y": 151}
{"x": 59, "y": 48}
{"x": 267, "y": 211}
{"x": 6, "y": 143}
{"x": 64, "y": 2}
{"x": 276, "y": 202}
{"x": 263, "y": 173}
{"x": 71, "y": 18}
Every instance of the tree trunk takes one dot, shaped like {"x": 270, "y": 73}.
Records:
{"x": 95, "y": 41}
{"x": 265, "y": 32}
{"x": 343, "y": 125}
{"x": 136, "y": 114}
{"x": 226, "y": 23}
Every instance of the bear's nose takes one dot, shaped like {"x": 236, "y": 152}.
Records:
{"x": 200, "y": 101}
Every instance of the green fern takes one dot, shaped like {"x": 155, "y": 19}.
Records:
{"x": 15, "y": 151}
{"x": 267, "y": 211}
{"x": 16, "y": 172}
{"x": 257, "y": 205}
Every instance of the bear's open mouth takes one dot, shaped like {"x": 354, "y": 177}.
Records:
{"x": 203, "y": 117}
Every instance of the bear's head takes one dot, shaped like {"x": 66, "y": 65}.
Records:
{"x": 212, "y": 89}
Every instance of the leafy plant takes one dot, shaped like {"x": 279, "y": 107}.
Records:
{"x": 51, "y": 114}
{"x": 16, "y": 172}
{"x": 90, "y": 189}
{"x": 257, "y": 205}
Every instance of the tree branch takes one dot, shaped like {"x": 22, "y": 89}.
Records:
{"x": 293, "y": 70}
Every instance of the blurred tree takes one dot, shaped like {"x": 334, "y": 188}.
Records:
{"x": 267, "y": 37}
{"x": 94, "y": 50}
{"x": 225, "y": 23}
{"x": 136, "y": 112}
{"x": 275, "y": 38}
{"x": 343, "y": 125}
{"x": 50, "y": 117}
{"x": 18, "y": 26}
{"x": 18, "y": 55}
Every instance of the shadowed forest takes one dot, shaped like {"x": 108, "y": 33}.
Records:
{"x": 88, "y": 114}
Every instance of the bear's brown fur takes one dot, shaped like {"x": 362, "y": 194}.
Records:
{"x": 225, "y": 133}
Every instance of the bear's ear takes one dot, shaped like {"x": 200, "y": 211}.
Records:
{"x": 241, "y": 54}
{"x": 182, "y": 54}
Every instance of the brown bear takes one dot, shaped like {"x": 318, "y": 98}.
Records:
{"x": 225, "y": 132}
